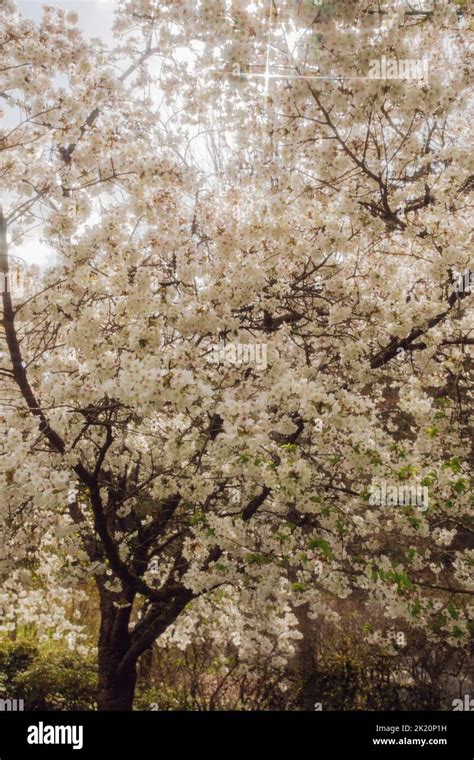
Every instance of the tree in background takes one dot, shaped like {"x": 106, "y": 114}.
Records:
{"x": 252, "y": 316}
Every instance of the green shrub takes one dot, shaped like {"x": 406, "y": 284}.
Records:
{"x": 59, "y": 680}
{"x": 47, "y": 677}
{"x": 15, "y": 657}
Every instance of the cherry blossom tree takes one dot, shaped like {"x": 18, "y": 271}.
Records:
{"x": 231, "y": 175}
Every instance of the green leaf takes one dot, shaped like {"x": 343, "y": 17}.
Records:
{"x": 257, "y": 559}
{"x": 460, "y": 485}
{"x": 299, "y": 586}
{"x": 289, "y": 446}
{"x": 453, "y": 611}
{"x": 322, "y": 545}
{"x": 452, "y": 464}
{"x": 406, "y": 472}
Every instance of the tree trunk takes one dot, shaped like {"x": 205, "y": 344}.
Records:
{"x": 116, "y": 685}
{"x": 119, "y": 649}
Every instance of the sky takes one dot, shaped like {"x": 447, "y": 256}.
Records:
{"x": 95, "y": 20}
{"x": 95, "y": 16}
